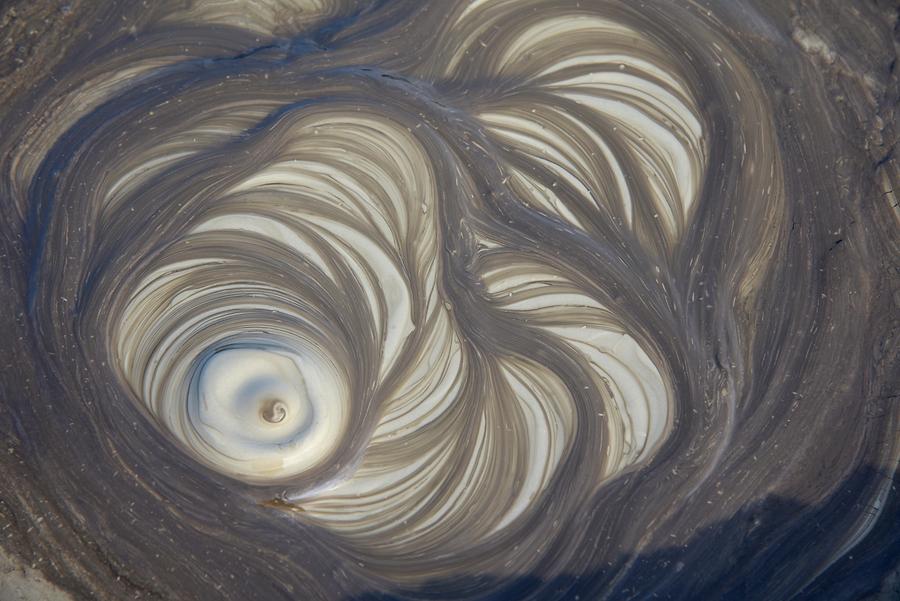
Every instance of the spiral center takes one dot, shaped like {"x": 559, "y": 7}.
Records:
{"x": 273, "y": 411}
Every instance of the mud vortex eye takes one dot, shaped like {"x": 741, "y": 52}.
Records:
{"x": 477, "y": 299}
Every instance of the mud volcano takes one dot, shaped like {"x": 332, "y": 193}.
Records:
{"x": 483, "y": 299}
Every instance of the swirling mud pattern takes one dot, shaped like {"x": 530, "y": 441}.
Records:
{"x": 488, "y": 299}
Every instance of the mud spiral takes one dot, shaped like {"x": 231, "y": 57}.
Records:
{"x": 487, "y": 299}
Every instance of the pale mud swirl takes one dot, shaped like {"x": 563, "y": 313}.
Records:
{"x": 489, "y": 299}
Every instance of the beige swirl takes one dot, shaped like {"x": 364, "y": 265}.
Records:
{"x": 258, "y": 374}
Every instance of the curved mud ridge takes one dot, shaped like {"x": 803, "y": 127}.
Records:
{"x": 488, "y": 299}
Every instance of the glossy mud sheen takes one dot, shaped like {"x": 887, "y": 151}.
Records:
{"x": 490, "y": 299}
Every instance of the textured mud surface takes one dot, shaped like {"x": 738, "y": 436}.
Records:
{"x": 490, "y": 299}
